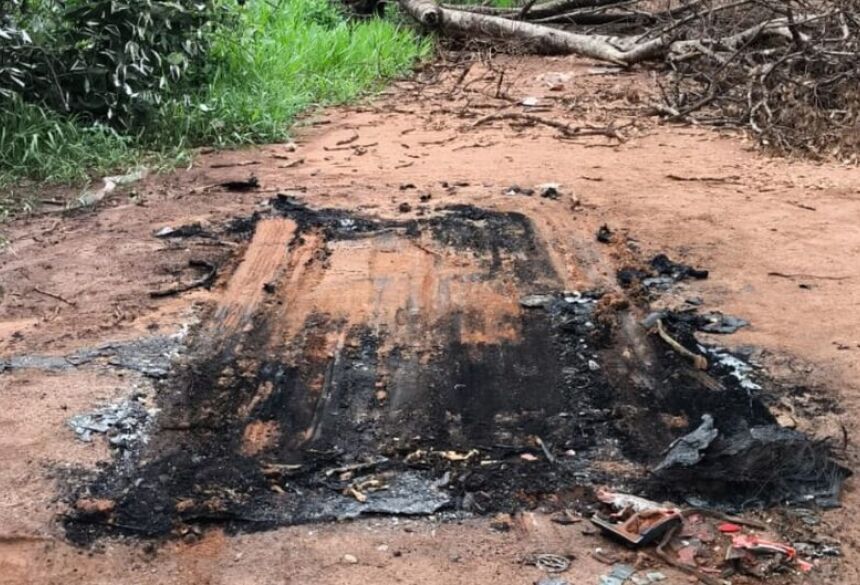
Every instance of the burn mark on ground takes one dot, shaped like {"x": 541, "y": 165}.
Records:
{"x": 493, "y": 236}
{"x": 454, "y": 398}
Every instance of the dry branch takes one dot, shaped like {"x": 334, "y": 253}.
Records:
{"x": 789, "y": 70}
{"x": 542, "y": 10}
{"x": 566, "y": 129}
{"x": 540, "y": 38}
{"x": 621, "y": 50}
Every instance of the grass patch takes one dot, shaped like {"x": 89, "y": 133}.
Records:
{"x": 280, "y": 60}
{"x": 274, "y": 61}
{"x": 40, "y": 145}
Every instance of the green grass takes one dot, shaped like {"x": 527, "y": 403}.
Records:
{"x": 278, "y": 59}
{"x": 281, "y": 61}
{"x": 41, "y": 145}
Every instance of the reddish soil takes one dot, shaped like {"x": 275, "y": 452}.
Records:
{"x": 780, "y": 238}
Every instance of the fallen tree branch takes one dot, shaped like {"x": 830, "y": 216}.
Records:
{"x": 785, "y": 69}
{"x": 541, "y": 10}
{"x": 543, "y": 39}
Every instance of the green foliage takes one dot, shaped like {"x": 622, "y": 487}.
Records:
{"x": 46, "y": 146}
{"x": 109, "y": 60}
{"x": 13, "y": 41}
{"x": 279, "y": 60}
{"x": 147, "y": 78}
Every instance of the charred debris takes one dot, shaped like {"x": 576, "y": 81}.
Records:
{"x": 519, "y": 423}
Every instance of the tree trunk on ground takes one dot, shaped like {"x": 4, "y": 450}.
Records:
{"x": 540, "y": 38}
{"x": 540, "y": 10}
{"x": 545, "y": 39}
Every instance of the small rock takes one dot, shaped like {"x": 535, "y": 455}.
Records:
{"x": 593, "y": 365}
{"x": 405, "y": 186}
{"x": 549, "y": 190}
{"x": 350, "y": 559}
{"x": 604, "y": 234}
{"x": 404, "y": 207}
{"x": 528, "y": 457}
{"x": 651, "y": 319}
{"x": 719, "y": 323}
{"x": 382, "y": 548}
{"x": 530, "y": 101}
{"x": 517, "y": 190}
{"x": 535, "y": 301}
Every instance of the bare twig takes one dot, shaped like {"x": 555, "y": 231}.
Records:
{"x": 566, "y": 129}
{"x": 699, "y": 361}
{"x": 785, "y": 69}
{"x": 54, "y": 296}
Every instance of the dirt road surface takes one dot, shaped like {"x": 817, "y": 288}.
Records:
{"x": 781, "y": 239}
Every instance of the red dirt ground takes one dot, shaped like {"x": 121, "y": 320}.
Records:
{"x": 763, "y": 227}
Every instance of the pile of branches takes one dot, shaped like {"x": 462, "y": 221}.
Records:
{"x": 788, "y": 70}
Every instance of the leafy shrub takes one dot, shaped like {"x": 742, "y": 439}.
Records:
{"x": 91, "y": 87}
{"x": 109, "y": 60}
